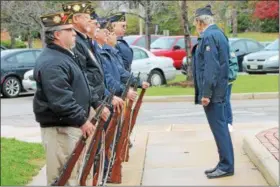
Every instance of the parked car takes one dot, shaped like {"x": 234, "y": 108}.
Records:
{"x": 242, "y": 47}
{"x": 3, "y": 48}
{"x": 145, "y": 62}
{"x": 173, "y": 47}
{"x": 139, "y": 40}
{"x": 14, "y": 64}
{"x": 28, "y": 81}
{"x": 265, "y": 61}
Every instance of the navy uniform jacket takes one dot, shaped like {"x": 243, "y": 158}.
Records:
{"x": 126, "y": 53}
{"x": 115, "y": 74}
{"x": 211, "y": 65}
{"x": 93, "y": 68}
{"x": 63, "y": 95}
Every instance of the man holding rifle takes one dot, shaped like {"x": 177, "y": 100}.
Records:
{"x": 62, "y": 101}
{"x": 89, "y": 60}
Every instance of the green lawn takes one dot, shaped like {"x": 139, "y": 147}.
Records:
{"x": 262, "y": 37}
{"x": 244, "y": 84}
{"x": 20, "y": 161}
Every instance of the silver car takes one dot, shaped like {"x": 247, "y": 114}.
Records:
{"x": 265, "y": 61}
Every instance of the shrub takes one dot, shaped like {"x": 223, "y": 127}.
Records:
{"x": 19, "y": 44}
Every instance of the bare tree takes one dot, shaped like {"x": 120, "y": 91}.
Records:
{"x": 187, "y": 36}
{"x": 24, "y": 16}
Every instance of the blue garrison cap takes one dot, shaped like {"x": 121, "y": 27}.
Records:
{"x": 103, "y": 22}
{"x": 94, "y": 16}
{"x": 204, "y": 11}
{"x": 117, "y": 18}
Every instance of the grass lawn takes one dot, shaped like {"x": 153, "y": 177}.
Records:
{"x": 244, "y": 84}
{"x": 20, "y": 161}
{"x": 262, "y": 37}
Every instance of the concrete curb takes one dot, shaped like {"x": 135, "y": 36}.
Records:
{"x": 190, "y": 98}
{"x": 262, "y": 159}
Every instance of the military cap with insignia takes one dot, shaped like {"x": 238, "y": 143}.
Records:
{"x": 204, "y": 11}
{"x": 104, "y": 22}
{"x": 78, "y": 7}
{"x": 56, "y": 19}
{"x": 94, "y": 16}
{"x": 117, "y": 18}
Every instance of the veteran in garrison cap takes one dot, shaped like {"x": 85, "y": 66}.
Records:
{"x": 62, "y": 101}
{"x": 210, "y": 69}
{"x": 119, "y": 26}
{"x": 89, "y": 59}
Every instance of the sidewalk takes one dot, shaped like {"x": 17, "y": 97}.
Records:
{"x": 178, "y": 154}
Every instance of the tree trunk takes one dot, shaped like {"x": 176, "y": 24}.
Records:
{"x": 184, "y": 15}
{"x": 147, "y": 24}
{"x": 42, "y": 34}
{"x": 13, "y": 40}
{"x": 234, "y": 20}
{"x": 30, "y": 39}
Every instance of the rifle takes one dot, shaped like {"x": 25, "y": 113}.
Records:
{"x": 134, "y": 115}
{"x": 73, "y": 158}
{"x": 127, "y": 122}
{"x": 92, "y": 150}
{"x": 113, "y": 130}
{"x": 100, "y": 162}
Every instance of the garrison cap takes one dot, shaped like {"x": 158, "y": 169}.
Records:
{"x": 78, "y": 7}
{"x": 204, "y": 11}
{"x": 117, "y": 18}
{"x": 56, "y": 19}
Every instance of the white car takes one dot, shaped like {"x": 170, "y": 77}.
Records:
{"x": 28, "y": 82}
{"x": 159, "y": 68}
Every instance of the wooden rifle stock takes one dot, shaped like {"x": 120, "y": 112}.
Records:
{"x": 71, "y": 162}
{"x": 91, "y": 152}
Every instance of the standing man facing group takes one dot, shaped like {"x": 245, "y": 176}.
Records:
{"x": 210, "y": 69}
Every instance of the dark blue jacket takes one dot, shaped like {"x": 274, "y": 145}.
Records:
{"x": 126, "y": 53}
{"x": 211, "y": 65}
{"x": 115, "y": 74}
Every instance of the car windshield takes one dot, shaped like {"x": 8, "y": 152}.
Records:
{"x": 6, "y": 52}
{"x": 274, "y": 46}
{"x": 163, "y": 43}
{"x": 130, "y": 39}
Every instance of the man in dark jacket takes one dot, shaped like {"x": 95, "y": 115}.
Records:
{"x": 210, "y": 70}
{"x": 119, "y": 28}
{"x": 62, "y": 101}
{"x": 90, "y": 61}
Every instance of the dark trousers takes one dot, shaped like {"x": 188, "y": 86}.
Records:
{"x": 216, "y": 119}
{"x": 228, "y": 111}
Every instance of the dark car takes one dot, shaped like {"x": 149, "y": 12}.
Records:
{"x": 14, "y": 63}
{"x": 139, "y": 40}
{"x": 3, "y": 48}
{"x": 242, "y": 47}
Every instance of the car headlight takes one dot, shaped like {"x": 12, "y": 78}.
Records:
{"x": 273, "y": 58}
{"x": 245, "y": 58}
{"x": 31, "y": 77}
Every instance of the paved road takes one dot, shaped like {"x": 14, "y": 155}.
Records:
{"x": 18, "y": 112}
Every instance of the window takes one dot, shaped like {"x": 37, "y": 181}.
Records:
{"x": 26, "y": 58}
{"x": 163, "y": 43}
{"x": 252, "y": 46}
{"x": 141, "y": 42}
{"x": 274, "y": 46}
{"x": 37, "y": 53}
{"x": 239, "y": 45}
{"x": 181, "y": 43}
{"x": 139, "y": 54}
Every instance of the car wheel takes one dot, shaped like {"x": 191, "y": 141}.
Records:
{"x": 156, "y": 78}
{"x": 11, "y": 87}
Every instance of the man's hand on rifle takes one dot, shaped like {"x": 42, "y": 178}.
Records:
{"x": 145, "y": 85}
{"x": 131, "y": 95}
{"x": 105, "y": 114}
{"x": 87, "y": 128}
{"x": 117, "y": 103}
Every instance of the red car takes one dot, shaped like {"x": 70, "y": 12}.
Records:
{"x": 173, "y": 47}
{"x": 139, "y": 40}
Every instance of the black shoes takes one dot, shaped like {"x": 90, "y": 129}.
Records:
{"x": 210, "y": 170}
{"x": 218, "y": 174}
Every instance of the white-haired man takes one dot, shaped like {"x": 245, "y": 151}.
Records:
{"x": 210, "y": 68}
